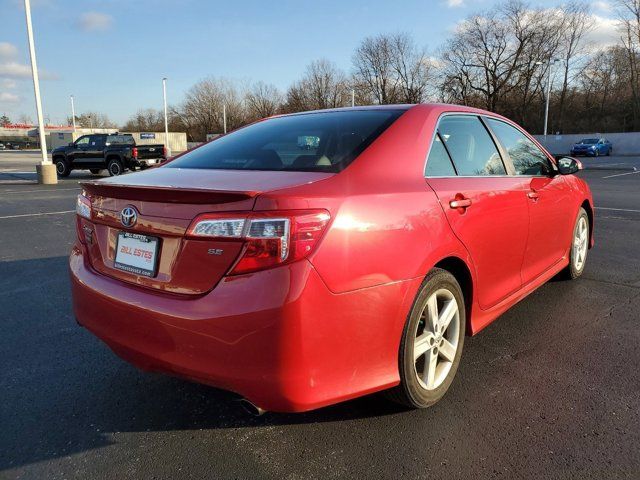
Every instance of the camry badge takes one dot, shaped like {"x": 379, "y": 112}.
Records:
{"x": 128, "y": 217}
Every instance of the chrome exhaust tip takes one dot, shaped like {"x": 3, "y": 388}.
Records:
{"x": 251, "y": 408}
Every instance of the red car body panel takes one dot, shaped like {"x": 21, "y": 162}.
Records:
{"x": 326, "y": 328}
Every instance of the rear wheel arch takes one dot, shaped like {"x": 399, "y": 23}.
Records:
{"x": 460, "y": 270}
{"x": 589, "y": 209}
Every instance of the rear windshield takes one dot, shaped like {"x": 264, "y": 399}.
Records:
{"x": 317, "y": 142}
{"x": 120, "y": 140}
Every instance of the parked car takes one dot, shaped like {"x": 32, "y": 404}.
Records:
{"x": 2, "y": 147}
{"x": 592, "y": 146}
{"x": 355, "y": 267}
{"x": 117, "y": 153}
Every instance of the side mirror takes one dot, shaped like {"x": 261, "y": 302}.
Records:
{"x": 70, "y": 144}
{"x": 569, "y": 165}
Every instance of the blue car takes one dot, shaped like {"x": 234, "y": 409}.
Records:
{"x": 592, "y": 146}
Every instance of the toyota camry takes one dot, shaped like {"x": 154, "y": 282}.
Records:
{"x": 311, "y": 258}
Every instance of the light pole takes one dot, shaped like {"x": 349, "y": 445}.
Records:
{"x": 353, "y": 97}
{"x": 166, "y": 121}
{"x": 73, "y": 114}
{"x": 46, "y": 171}
{"x": 224, "y": 117}
{"x": 546, "y": 107}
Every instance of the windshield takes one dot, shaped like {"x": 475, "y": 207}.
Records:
{"x": 320, "y": 142}
{"x": 589, "y": 141}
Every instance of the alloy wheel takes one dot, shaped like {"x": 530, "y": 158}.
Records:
{"x": 436, "y": 339}
{"x": 580, "y": 244}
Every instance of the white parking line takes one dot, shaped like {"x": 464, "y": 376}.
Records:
{"x": 41, "y": 190}
{"x": 618, "y": 209}
{"x": 37, "y": 214}
{"x": 621, "y": 174}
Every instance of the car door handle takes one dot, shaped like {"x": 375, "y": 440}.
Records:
{"x": 460, "y": 203}
{"x": 533, "y": 195}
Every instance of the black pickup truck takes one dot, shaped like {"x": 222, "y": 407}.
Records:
{"x": 115, "y": 152}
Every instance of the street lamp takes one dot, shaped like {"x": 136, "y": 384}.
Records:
{"x": 546, "y": 107}
{"x": 46, "y": 171}
{"x": 166, "y": 121}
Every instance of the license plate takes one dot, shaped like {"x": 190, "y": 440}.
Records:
{"x": 136, "y": 253}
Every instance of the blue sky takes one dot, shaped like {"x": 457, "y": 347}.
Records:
{"x": 112, "y": 54}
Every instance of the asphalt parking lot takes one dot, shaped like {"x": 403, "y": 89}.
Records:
{"x": 550, "y": 390}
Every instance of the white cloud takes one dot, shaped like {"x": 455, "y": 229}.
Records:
{"x": 20, "y": 70}
{"x": 7, "y": 83}
{"x": 603, "y": 6}
{"x": 6, "y": 97}
{"x": 604, "y": 33}
{"x": 95, "y": 22}
{"x": 8, "y": 50}
{"x": 455, "y": 3}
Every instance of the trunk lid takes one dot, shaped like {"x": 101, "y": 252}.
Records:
{"x": 165, "y": 201}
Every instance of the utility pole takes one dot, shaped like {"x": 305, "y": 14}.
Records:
{"x": 73, "y": 114}
{"x": 166, "y": 120}
{"x": 46, "y": 171}
{"x": 353, "y": 97}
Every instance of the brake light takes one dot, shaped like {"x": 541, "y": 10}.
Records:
{"x": 164, "y": 152}
{"x": 271, "y": 239}
{"x": 134, "y": 152}
{"x": 83, "y": 207}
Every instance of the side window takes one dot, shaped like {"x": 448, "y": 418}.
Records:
{"x": 527, "y": 158}
{"x": 94, "y": 140}
{"x": 439, "y": 163}
{"x": 470, "y": 145}
{"x": 82, "y": 141}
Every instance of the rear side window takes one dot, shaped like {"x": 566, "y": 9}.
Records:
{"x": 439, "y": 163}
{"x": 527, "y": 158}
{"x": 120, "y": 140}
{"x": 470, "y": 145}
{"x": 321, "y": 142}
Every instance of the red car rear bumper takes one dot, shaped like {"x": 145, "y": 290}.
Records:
{"x": 278, "y": 337}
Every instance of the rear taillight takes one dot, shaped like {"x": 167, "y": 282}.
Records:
{"x": 270, "y": 238}
{"x": 83, "y": 207}
{"x": 134, "y": 152}
{"x": 164, "y": 152}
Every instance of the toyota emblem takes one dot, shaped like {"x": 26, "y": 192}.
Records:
{"x": 128, "y": 216}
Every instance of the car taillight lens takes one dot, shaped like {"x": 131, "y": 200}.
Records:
{"x": 83, "y": 207}
{"x": 270, "y": 238}
{"x": 164, "y": 152}
{"x": 134, "y": 152}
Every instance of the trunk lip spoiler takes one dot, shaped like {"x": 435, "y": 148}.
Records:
{"x": 162, "y": 193}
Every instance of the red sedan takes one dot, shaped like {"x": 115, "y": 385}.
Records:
{"x": 312, "y": 258}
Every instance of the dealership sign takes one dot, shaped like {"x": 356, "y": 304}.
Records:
{"x": 148, "y": 135}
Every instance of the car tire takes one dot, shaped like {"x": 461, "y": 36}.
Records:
{"x": 596, "y": 153}
{"x": 579, "y": 247}
{"x": 62, "y": 167}
{"x": 95, "y": 171}
{"x": 115, "y": 167}
{"x": 422, "y": 386}
{"x": 609, "y": 152}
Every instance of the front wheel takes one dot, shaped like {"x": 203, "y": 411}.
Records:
{"x": 579, "y": 246}
{"x": 432, "y": 342}
{"x": 115, "y": 167}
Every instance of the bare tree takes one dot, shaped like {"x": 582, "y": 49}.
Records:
{"x": 629, "y": 13}
{"x": 322, "y": 86}
{"x": 373, "y": 63}
{"x": 412, "y": 67}
{"x": 576, "y": 23}
{"x": 263, "y": 100}
{"x": 92, "y": 120}
{"x": 202, "y": 109}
